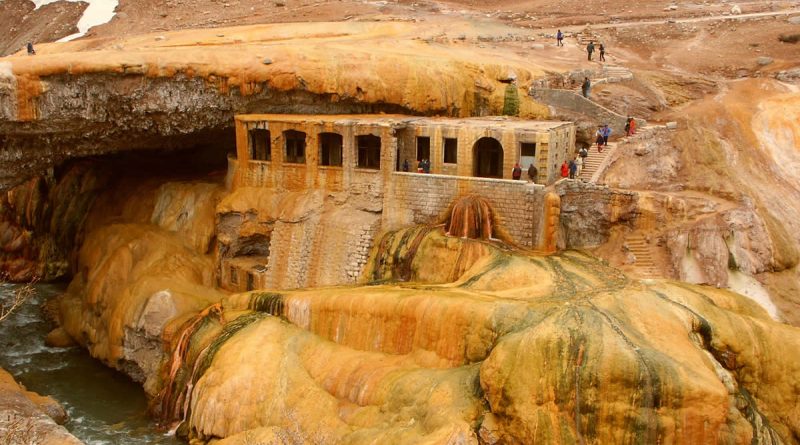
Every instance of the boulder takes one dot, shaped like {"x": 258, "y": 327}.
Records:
{"x": 58, "y": 338}
{"x": 764, "y": 61}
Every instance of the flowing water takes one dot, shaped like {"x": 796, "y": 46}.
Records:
{"x": 104, "y": 406}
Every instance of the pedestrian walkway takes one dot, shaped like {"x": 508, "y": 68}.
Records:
{"x": 644, "y": 265}
{"x": 595, "y": 163}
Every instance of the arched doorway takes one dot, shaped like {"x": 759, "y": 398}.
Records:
{"x": 487, "y": 158}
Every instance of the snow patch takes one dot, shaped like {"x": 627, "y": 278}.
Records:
{"x": 97, "y": 13}
{"x": 750, "y": 287}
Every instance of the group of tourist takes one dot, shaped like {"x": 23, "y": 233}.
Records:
{"x": 590, "y": 48}
{"x": 601, "y": 136}
{"x": 630, "y": 126}
{"x": 423, "y": 166}
{"x": 574, "y": 167}
{"x": 516, "y": 172}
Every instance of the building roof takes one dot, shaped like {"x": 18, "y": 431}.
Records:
{"x": 401, "y": 121}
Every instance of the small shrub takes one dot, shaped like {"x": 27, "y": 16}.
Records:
{"x": 15, "y": 430}
{"x": 19, "y": 296}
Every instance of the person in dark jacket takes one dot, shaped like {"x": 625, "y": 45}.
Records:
{"x": 559, "y": 38}
{"x": 532, "y": 173}
{"x": 599, "y": 139}
{"x": 602, "y": 53}
{"x": 586, "y": 87}
{"x": 573, "y": 168}
{"x": 405, "y": 165}
{"x": 31, "y": 51}
{"x": 590, "y": 49}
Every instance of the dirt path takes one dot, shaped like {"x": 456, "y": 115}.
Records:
{"x": 785, "y": 12}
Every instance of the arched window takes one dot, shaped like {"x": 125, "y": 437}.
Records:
{"x": 369, "y": 151}
{"x": 330, "y": 149}
{"x": 295, "y": 143}
{"x": 259, "y": 145}
{"x": 488, "y": 158}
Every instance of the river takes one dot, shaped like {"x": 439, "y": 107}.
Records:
{"x": 104, "y": 406}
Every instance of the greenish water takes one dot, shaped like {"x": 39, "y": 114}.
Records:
{"x": 104, "y": 406}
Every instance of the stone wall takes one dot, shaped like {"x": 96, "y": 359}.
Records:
{"x": 574, "y": 102}
{"x": 553, "y": 146}
{"x": 590, "y": 211}
{"x": 414, "y": 198}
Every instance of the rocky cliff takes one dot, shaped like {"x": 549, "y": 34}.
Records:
{"x": 169, "y": 91}
{"x": 448, "y": 356}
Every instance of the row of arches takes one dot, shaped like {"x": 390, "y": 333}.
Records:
{"x": 487, "y": 152}
{"x": 330, "y": 148}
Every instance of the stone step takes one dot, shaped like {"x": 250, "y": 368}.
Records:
{"x": 645, "y": 265}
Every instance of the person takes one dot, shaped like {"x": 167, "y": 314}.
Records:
{"x": 590, "y": 49}
{"x": 583, "y": 153}
{"x": 564, "y": 169}
{"x": 602, "y": 49}
{"x": 631, "y": 126}
{"x": 586, "y": 87}
{"x": 405, "y": 165}
{"x": 31, "y": 51}
{"x": 516, "y": 172}
{"x": 628, "y": 126}
{"x": 599, "y": 139}
{"x": 559, "y": 38}
{"x": 573, "y": 168}
{"x": 532, "y": 173}
{"x": 421, "y": 166}
{"x": 606, "y": 132}
{"x": 426, "y": 166}
{"x": 579, "y": 165}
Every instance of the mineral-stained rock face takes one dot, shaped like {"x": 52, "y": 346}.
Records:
{"x": 480, "y": 344}
{"x": 589, "y": 212}
{"x": 28, "y": 418}
{"x": 141, "y": 93}
{"x": 41, "y": 222}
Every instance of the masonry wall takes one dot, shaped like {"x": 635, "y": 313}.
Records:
{"x": 284, "y": 176}
{"x": 414, "y": 198}
{"x": 553, "y": 146}
{"x": 574, "y": 102}
{"x": 560, "y": 148}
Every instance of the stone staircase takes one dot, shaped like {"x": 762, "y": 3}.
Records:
{"x": 644, "y": 266}
{"x": 595, "y": 162}
{"x": 586, "y": 36}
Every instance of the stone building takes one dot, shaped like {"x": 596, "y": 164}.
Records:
{"x": 338, "y": 152}
{"x": 295, "y": 239}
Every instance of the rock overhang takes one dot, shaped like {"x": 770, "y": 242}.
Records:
{"x": 99, "y": 96}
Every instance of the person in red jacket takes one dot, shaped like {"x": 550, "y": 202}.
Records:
{"x": 564, "y": 170}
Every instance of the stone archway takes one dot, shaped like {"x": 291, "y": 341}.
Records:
{"x": 487, "y": 159}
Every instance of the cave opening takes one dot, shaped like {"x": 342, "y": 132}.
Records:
{"x": 60, "y": 204}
